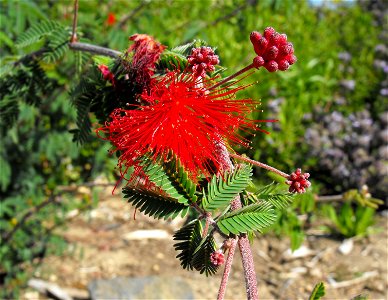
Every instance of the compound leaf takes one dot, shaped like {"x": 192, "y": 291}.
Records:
{"x": 153, "y": 204}
{"x": 190, "y": 237}
{"x": 254, "y": 217}
{"x": 222, "y": 189}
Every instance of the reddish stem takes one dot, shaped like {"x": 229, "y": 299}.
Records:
{"x": 243, "y": 242}
{"x": 75, "y": 17}
{"x": 207, "y": 222}
{"x": 259, "y": 164}
{"x": 247, "y": 68}
{"x": 228, "y": 267}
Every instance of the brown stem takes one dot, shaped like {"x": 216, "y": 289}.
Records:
{"x": 259, "y": 164}
{"x": 8, "y": 235}
{"x": 75, "y": 17}
{"x": 247, "y": 68}
{"x": 94, "y": 49}
{"x": 228, "y": 267}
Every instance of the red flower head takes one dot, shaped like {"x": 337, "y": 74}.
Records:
{"x": 181, "y": 115}
{"x": 272, "y": 49}
{"x": 202, "y": 60}
{"x": 145, "y": 52}
{"x": 111, "y": 20}
{"x": 298, "y": 182}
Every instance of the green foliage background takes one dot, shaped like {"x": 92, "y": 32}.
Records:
{"x": 37, "y": 154}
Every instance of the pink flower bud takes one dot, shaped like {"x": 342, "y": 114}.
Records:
{"x": 283, "y": 65}
{"x": 271, "y": 66}
{"x": 291, "y": 59}
{"x": 271, "y": 53}
{"x": 258, "y": 62}
{"x": 255, "y": 37}
{"x": 268, "y": 32}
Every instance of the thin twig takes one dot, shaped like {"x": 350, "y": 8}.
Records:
{"x": 234, "y": 12}
{"x": 330, "y": 198}
{"x": 95, "y": 49}
{"x": 52, "y": 199}
{"x": 129, "y": 16}
{"x": 208, "y": 220}
{"x": 73, "y": 38}
{"x": 7, "y": 236}
{"x": 259, "y": 164}
{"x": 342, "y": 284}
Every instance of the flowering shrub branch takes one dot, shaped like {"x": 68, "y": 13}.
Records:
{"x": 173, "y": 122}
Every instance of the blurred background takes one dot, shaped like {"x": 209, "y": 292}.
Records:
{"x": 57, "y": 214}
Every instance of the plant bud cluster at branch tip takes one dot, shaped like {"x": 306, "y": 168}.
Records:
{"x": 298, "y": 181}
{"x": 272, "y": 49}
{"x": 217, "y": 258}
{"x": 202, "y": 60}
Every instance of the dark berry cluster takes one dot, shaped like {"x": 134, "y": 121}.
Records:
{"x": 202, "y": 60}
{"x": 298, "y": 181}
{"x": 272, "y": 49}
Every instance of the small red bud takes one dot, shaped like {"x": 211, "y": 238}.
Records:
{"x": 274, "y": 38}
{"x": 291, "y": 59}
{"x": 260, "y": 46}
{"x": 271, "y": 66}
{"x": 268, "y": 32}
{"x": 271, "y": 53}
{"x": 254, "y": 37}
{"x": 282, "y": 39}
{"x": 283, "y": 65}
{"x": 258, "y": 62}
{"x": 287, "y": 48}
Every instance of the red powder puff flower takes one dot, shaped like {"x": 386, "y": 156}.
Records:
{"x": 143, "y": 55}
{"x": 111, "y": 20}
{"x": 298, "y": 182}
{"x": 182, "y": 116}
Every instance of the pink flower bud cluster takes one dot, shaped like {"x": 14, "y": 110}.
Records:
{"x": 272, "y": 49}
{"x": 217, "y": 258}
{"x": 202, "y": 60}
{"x": 298, "y": 182}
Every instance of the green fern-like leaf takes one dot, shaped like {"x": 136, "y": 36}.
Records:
{"x": 36, "y": 32}
{"x": 318, "y": 291}
{"x": 221, "y": 190}
{"x": 201, "y": 257}
{"x": 58, "y": 45}
{"x": 175, "y": 170}
{"x": 270, "y": 194}
{"x": 190, "y": 236}
{"x": 171, "y": 61}
{"x": 185, "y": 49}
{"x": 254, "y": 217}
{"x": 152, "y": 204}
{"x": 82, "y": 101}
{"x": 165, "y": 181}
